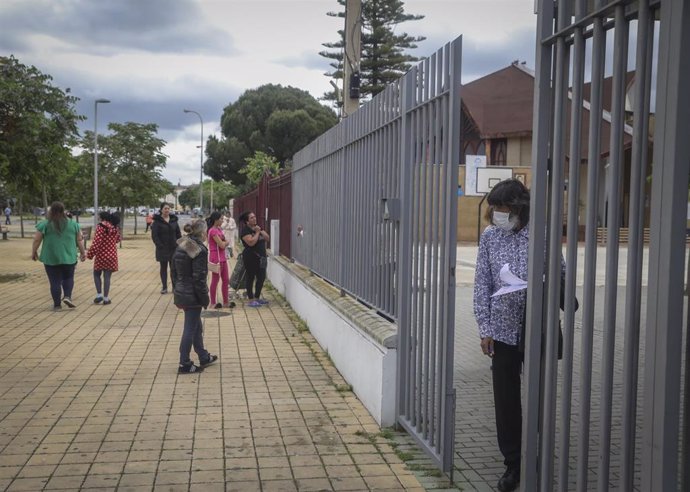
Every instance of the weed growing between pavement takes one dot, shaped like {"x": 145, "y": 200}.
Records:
{"x": 343, "y": 388}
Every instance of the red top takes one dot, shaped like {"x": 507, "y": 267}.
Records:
{"x": 104, "y": 247}
{"x": 216, "y": 254}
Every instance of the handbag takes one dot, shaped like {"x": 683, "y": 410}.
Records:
{"x": 214, "y": 267}
{"x": 237, "y": 277}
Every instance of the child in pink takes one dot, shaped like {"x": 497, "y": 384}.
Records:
{"x": 216, "y": 254}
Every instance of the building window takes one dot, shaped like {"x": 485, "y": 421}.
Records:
{"x": 499, "y": 150}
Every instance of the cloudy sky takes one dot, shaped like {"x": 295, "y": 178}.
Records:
{"x": 153, "y": 58}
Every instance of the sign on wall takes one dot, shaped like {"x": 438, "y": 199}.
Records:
{"x": 472, "y": 162}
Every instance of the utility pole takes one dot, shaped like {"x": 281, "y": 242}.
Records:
{"x": 353, "y": 55}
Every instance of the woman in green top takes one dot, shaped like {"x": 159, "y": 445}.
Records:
{"x": 61, "y": 237}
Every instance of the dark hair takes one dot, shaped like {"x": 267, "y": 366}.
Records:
{"x": 245, "y": 216}
{"x": 114, "y": 219}
{"x": 163, "y": 204}
{"x": 513, "y": 194}
{"x": 212, "y": 218}
{"x": 56, "y": 215}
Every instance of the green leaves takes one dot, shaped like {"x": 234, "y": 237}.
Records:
{"x": 271, "y": 119}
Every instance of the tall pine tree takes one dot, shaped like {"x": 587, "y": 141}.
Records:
{"x": 384, "y": 53}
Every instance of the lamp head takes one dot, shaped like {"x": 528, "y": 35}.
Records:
{"x": 103, "y": 101}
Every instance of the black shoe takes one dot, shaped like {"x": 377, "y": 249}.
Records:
{"x": 211, "y": 359}
{"x": 68, "y": 301}
{"x": 218, "y": 305}
{"x": 189, "y": 368}
{"x": 106, "y": 302}
{"x": 164, "y": 290}
{"x": 510, "y": 480}
{"x": 98, "y": 299}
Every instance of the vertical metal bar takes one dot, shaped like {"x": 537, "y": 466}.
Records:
{"x": 453, "y": 145}
{"x": 553, "y": 283}
{"x": 685, "y": 438}
{"x": 667, "y": 252}
{"x": 429, "y": 78}
{"x": 404, "y": 273}
{"x": 540, "y": 153}
{"x": 572, "y": 233}
{"x": 614, "y": 178}
{"x": 589, "y": 295}
{"x": 633, "y": 293}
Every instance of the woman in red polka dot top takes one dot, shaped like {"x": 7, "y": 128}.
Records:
{"x": 103, "y": 251}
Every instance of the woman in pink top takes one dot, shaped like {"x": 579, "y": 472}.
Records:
{"x": 216, "y": 254}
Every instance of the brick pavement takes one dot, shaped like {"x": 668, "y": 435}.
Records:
{"x": 91, "y": 400}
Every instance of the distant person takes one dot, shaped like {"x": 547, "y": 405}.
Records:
{"x": 165, "y": 231}
{"x": 8, "y": 213}
{"x": 216, "y": 255}
{"x": 149, "y": 221}
{"x": 191, "y": 294}
{"x": 60, "y": 238}
{"x": 501, "y": 318}
{"x": 229, "y": 227}
{"x": 103, "y": 250}
{"x": 255, "y": 258}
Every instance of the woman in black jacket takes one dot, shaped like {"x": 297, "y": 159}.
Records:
{"x": 165, "y": 232}
{"x": 190, "y": 270}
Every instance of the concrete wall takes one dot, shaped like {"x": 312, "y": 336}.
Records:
{"x": 360, "y": 343}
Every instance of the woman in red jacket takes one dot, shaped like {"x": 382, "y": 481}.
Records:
{"x": 104, "y": 252}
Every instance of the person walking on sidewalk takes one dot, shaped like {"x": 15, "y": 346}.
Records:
{"x": 191, "y": 294}
{"x": 8, "y": 213}
{"x": 149, "y": 221}
{"x": 61, "y": 238}
{"x": 216, "y": 255}
{"x": 500, "y": 318}
{"x": 229, "y": 228}
{"x": 103, "y": 250}
{"x": 255, "y": 259}
{"x": 165, "y": 231}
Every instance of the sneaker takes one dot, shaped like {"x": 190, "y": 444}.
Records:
{"x": 164, "y": 290}
{"x": 254, "y": 304}
{"x": 98, "y": 299}
{"x": 69, "y": 302}
{"x": 211, "y": 359}
{"x": 106, "y": 302}
{"x": 263, "y": 302}
{"x": 218, "y": 305}
{"x": 189, "y": 368}
{"x": 57, "y": 308}
{"x": 230, "y": 304}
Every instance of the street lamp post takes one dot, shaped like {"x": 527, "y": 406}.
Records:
{"x": 95, "y": 157}
{"x": 201, "y": 160}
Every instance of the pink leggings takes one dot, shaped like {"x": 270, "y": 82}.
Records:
{"x": 223, "y": 275}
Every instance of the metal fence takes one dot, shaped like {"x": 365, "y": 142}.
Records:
{"x": 271, "y": 200}
{"x": 567, "y": 445}
{"x": 374, "y": 201}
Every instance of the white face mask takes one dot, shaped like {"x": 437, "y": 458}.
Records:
{"x": 504, "y": 221}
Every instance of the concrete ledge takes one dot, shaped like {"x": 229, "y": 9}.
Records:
{"x": 361, "y": 344}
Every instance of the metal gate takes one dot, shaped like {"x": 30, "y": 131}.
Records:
{"x": 604, "y": 449}
{"x": 374, "y": 207}
{"x": 426, "y": 278}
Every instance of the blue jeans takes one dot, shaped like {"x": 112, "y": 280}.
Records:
{"x": 192, "y": 336}
{"x": 61, "y": 278}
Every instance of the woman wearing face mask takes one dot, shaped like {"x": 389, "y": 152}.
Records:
{"x": 500, "y": 318}
{"x": 165, "y": 232}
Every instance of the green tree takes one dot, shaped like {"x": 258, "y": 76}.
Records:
{"x": 272, "y": 119}
{"x": 38, "y": 127}
{"x": 222, "y": 193}
{"x": 259, "y": 165}
{"x": 130, "y": 161}
{"x": 384, "y": 55}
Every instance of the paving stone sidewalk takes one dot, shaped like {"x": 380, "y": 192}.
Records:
{"x": 91, "y": 400}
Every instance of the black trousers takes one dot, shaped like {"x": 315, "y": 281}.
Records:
{"x": 505, "y": 370}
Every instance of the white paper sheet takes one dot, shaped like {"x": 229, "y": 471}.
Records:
{"x": 512, "y": 281}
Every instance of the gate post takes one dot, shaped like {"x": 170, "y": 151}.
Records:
{"x": 666, "y": 252}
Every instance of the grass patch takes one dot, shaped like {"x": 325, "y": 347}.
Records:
{"x": 343, "y": 388}
{"x": 10, "y": 277}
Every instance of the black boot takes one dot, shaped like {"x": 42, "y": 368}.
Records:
{"x": 510, "y": 480}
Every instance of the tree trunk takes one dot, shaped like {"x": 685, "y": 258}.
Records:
{"x": 45, "y": 198}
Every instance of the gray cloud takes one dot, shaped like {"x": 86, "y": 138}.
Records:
{"x": 307, "y": 59}
{"x": 109, "y": 27}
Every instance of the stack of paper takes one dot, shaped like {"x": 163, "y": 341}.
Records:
{"x": 512, "y": 281}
